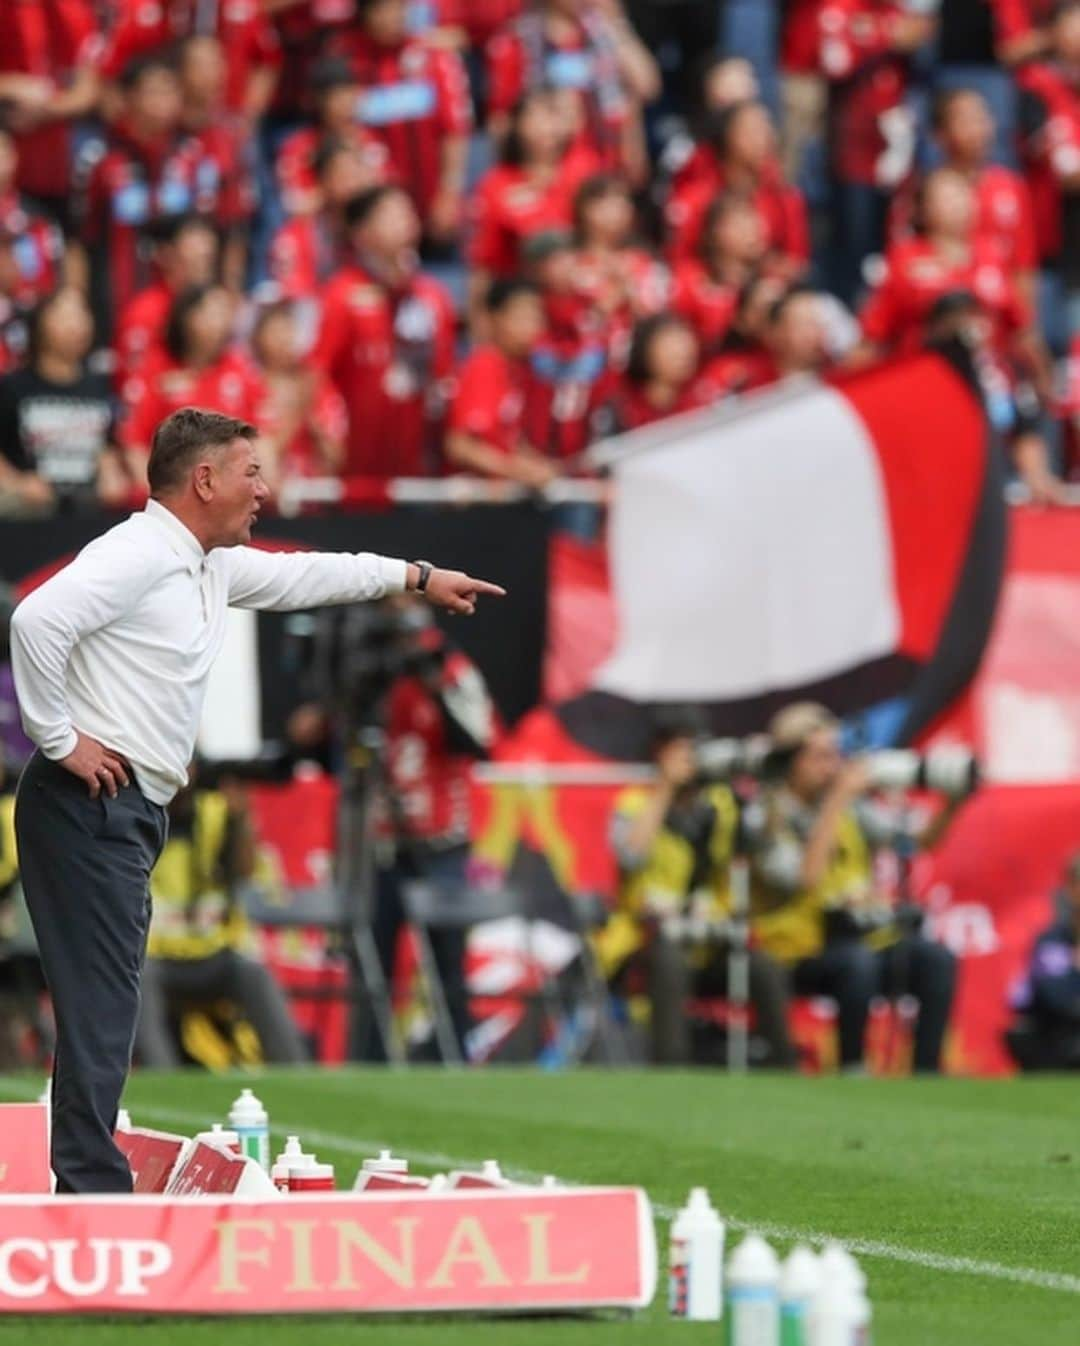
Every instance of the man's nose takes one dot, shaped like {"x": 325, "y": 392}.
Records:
{"x": 262, "y": 491}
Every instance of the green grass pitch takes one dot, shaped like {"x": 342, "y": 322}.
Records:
{"x": 961, "y": 1198}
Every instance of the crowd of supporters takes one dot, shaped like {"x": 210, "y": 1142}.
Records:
{"x": 419, "y": 237}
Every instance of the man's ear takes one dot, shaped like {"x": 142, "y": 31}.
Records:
{"x": 203, "y": 479}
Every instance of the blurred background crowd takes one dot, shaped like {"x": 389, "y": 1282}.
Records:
{"x": 427, "y": 238}
{"x": 419, "y": 237}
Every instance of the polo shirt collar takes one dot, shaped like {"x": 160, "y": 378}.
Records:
{"x": 180, "y": 538}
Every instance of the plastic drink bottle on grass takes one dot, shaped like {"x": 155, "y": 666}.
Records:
{"x": 279, "y": 1173}
{"x": 800, "y": 1278}
{"x": 248, "y": 1118}
{"x": 386, "y": 1173}
{"x": 221, "y": 1137}
{"x": 696, "y": 1263}
{"x": 753, "y": 1294}
{"x": 490, "y": 1175}
{"x": 840, "y": 1314}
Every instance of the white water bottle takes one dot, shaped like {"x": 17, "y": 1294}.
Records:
{"x": 753, "y": 1294}
{"x": 840, "y": 1313}
{"x": 248, "y": 1119}
{"x": 123, "y": 1120}
{"x": 291, "y": 1154}
{"x": 696, "y": 1266}
{"x": 386, "y": 1162}
{"x": 800, "y": 1277}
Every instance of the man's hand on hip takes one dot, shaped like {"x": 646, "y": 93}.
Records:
{"x": 100, "y": 767}
{"x": 458, "y": 592}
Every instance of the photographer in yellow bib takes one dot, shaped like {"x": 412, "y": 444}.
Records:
{"x": 814, "y": 832}
{"x": 673, "y": 842}
{"x": 200, "y": 961}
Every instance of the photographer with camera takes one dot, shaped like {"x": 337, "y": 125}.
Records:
{"x": 817, "y": 909}
{"x": 422, "y": 709}
{"x": 674, "y": 842}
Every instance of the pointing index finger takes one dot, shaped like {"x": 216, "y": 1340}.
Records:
{"x": 486, "y": 587}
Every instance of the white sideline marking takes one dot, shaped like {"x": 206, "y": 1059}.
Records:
{"x": 892, "y": 1252}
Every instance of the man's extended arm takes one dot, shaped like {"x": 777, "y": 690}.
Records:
{"x": 288, "y": 581}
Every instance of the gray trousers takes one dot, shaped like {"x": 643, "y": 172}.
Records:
{"x": 225, "y": 975}
{"x": 85, "y": 866}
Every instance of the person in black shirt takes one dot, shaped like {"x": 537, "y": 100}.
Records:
{"x": 56, "y": 418}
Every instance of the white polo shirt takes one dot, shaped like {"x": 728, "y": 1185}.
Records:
{"x": 119, "y": 643}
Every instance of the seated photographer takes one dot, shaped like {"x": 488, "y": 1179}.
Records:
{"x": 814, "y": 833}
{"x": 1046, "y": 1033}
{"x": 198, "y": 930}
{"x": 673, "y": 842}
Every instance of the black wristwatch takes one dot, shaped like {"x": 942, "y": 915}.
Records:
{"x": 425, "y": 568}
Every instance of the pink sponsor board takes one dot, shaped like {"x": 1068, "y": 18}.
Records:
{"x": 339, "y": 1252}
{"x": 24, "y": 1148}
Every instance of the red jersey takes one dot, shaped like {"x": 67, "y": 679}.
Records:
{"x": 140, "y": 329}
{"x": 1014, "y": 19}
{"x": 634, "y": 287}
{"x": 136, "y": 182}
{"x": 429, "y": 775}
{"x": 415, "y": 97}
{"x": 508, "y": 207}
{"x": 1050, "y": 120}
{"x": 631, "y": 409}
{"x": 799, "y": 41}
{"x": 781, "y": 207}
{"x": 738, "y": 371}
{"x": 916, "y": 276}
{"x": 708, "y": 305}
{"x": 391, "y": 357}
{"x": 232, "y": 385}
{"x": 247, "y": 36}
{"x": 228, "y": 145}
{"x": 304, "y": 254}
{"x": 869, "y": 83}
{"x": 51, "y": 38}
{"x": 37, "y": 249}
{"x": 294, "y": 165}
{"x": 570, "y": 377}
{"x": 481, "y": 19}
{"x": 522, "y": 56}
{"x": 327, "y": 415}
{"x": 1003, "y": 209}
{"x": 302, "y": 29}
{"x": 489, "y": 402}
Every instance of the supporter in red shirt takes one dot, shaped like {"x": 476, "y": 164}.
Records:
{"x": 531, "y": 189}
{"x": 151, "y": 169}
{"x": 964, "y": 131}
{"x": 196, "y": 366}
{"x": 477, "y": 20}
{"x": 707, "y": 287}
{"x": 486, "y": 432}
{"x": 307, "y": 410}
{"x": 38, "y": 243}
{"x": 416, "y": 101}
{"x": 387, "y": 340}
{"x": 742, "y": 158}
{"x": 308, "y": 250}
{"x": 569, "y": 366}
{"x": 47, "y": 80}
{"x": 793, "y": 342}
{"x": 865, "y": 53}
{"x": 662, "y": 375}
{"x": 303, "y": 27}
{"x": 945, "y": 255}
{"x": 593, "y": 57}
{"x": 337, "y": 94}
{"x": 247, "y": 35}
{"x": 226, "y": 145}
{"x": 1022, "y": 29}
{"x": 617, "y": 277}
{"x": 186, "y": 253}
{"x": 742, "y": 361}
{"x": 1050, "y": 126}
{"x": 13, "y": 315}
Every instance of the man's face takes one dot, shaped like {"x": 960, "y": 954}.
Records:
{"x": 196, "y": 254}
{"x": 386, "y": 21}
{"x": 391, "y": 227}
{"x": 238, "y": 493}
{"x": 519, "y": 325}
{"x": 816, "y": 764}
{"x": 155, "y": 101}
{"x": 799, "y": 337}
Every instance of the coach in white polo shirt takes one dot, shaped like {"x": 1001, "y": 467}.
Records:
{"x": 111, "y": 658}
